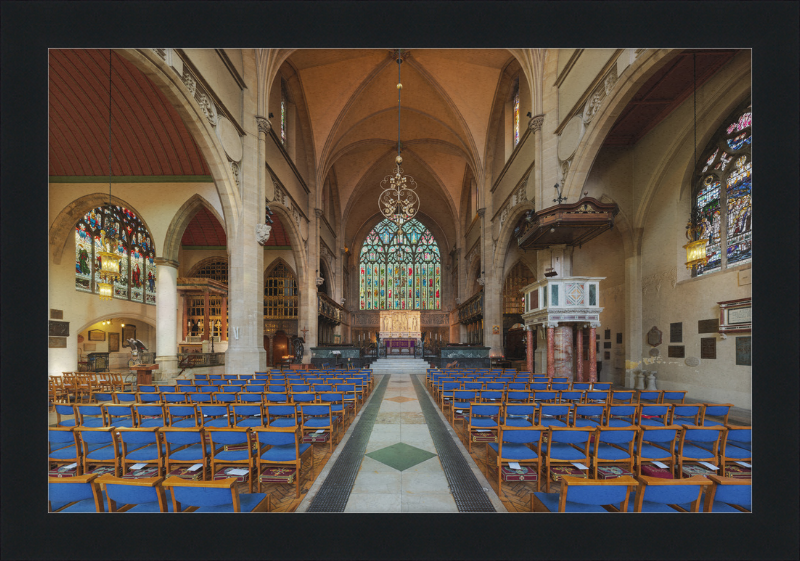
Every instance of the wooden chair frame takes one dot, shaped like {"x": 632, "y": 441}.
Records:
{"x": 715, "y": 481}
{"x": 142, "y": 482}
{"x": 646, "y": 481}
{"x": 168, "y": 463}
{"x": 550, "y": 462}
{"x": 79, "y": 479}
{"x": 297, "y": 462}
{"x": 669, "y": 453}
{"x": 159, "y": 461}
{"x": 498, "y": 464}
{"x": 596, "y": 460}
{"x": 714, "y": 455}
{"x": 84, "y": 451}
{"x": 249, "y": 463}
{"x": 229, "y": 483}
{"x": 569, "y": 481}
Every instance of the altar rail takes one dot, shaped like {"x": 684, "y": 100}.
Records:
{"x": 196, "y": 360}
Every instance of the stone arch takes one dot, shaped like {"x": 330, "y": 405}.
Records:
{"x": 118, "y": 314}
{"x": 326, "y": 272}
{"x": 207, "y": 261}
{"x": 507, "y": 231}
{"x": 176, "y": 92}
{"x": 624, "y": 90}
{"x": 64, "y": 224}
{"x": 279, "y": 261}
{"x": 295, "y": 240}
{"x": 182, "y": 218}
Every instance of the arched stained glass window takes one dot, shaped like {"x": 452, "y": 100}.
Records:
{"x": 400, "y": 271}
{"x": 723, "y": 190}
{"x": 516, "y": 113}
{"x": 137, "y": 268}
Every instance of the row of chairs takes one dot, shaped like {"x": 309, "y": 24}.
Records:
{"x": 91, "y": 493}
{"x": 77, "y": 386}
{"x": 593, "y": 414}
{"x": 606, "y": 452}
{"x": 172, "y": 451}
{"x": 281, "y": 374}
{"x": 215, "y": 414}
{"x": 647, "y": 494}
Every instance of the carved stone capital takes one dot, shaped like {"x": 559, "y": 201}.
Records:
{"x": 166, "y": 262}
{"x": 262, "y": 233}
{"x": 319, "y": 212}
{"x": 594, "y": 325}
{"x": 481, "y": 212}
{"x": 263, "y": 124}
{"x": 319, "y": 281}
{"x": 536, "y": 123}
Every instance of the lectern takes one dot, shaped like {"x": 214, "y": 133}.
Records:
{"x": 144, "y": 373}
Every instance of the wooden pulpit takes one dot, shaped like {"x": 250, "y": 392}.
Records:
{"x": 144, "y": 373}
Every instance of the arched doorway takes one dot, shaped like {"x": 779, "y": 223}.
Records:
{"x": 280, "y": 348}
{"x": 513, "y": 306}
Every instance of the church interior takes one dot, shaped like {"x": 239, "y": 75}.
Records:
{"x": 384, "y": 280}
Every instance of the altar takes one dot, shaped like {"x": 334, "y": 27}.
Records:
{"x": 399, "y": 346}
{"x": 400, "y": 324}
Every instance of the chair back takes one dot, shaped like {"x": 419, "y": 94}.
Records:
{"x": 673, "y": 396}
{"x": 121, "y": 491}
{"x": 175, "y": 397}
{"x": 519, "y": 396}
{"x": 223, "y": 397}
{"x": 142, "y": 397}
{"x": 124, "y": 397}
{"x": 187, "y": 493}
{"x": 544, "y": 396}
{"x": 489, "y": 396}
{"x": 686, "y": 413}
{"x": 245, "y": 397}
{"x": 652, "y": 413}
{"x": 729, "y": 490}
{"x": 73, "y": 489}
{"x": 619, "y": 412}
{"x": 560, "y": 386}
{"x": 200, "y": 397}
{"x": 571, "y": 435}
{"x": 670, "y": 491}
{"x": 581, "y": 385}
{"x": 227, "y": 436}
{"x": 181, "y": 412}
{"x": 272, "y": 412}
{"x": 596, "y": 492}
{"x": 649, "y": 396}
{"x": 277, "y": 436}
{"x": 601, "y": 386}
{"x": 721, "y": 410}
{"x": 484, "y": 410}
{"x": 594, "y": 396}
{"x": 254, "y": 388}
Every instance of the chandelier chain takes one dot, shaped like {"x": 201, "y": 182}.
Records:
{"x": 399, "y": 95}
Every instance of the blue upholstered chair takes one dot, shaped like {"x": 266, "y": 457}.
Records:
{"x": 125, "y": 397}
{"x": 581, "y": 386}
{"x": 184, "y": 382}
{"x": 649, "y": 396}
{"x": 655, "y": 494}
{"x": 522, "y": 445}
{"x": 686, "y": 414}
{"x": 213, "y": 414}
{"x": 539, "y": 386}
{"x": 223, "y": 397}
{"x": 559, "y": 386}
{"x": 587, "y": 415}
{"x": 653, "y": 414}
{"x": 280, "y": 415}
{"x": 613, "y": 446}
{"x": 185, "y": 447}
{"x": 140, "y": 445}
{"x": 519, "y": 415}
{"x": 586, "y": 495}
{"x": 66, "y": 410}
{"x": 254, "y": 388}
{"x": 174, "y": 397}
{"x": 596, "y": 396}
{"x": 601, "y": 386}
{"x": 553, "y": 414}
{"x": 120, "y": 415}
{"x": 570, "y": 396}
{"x": 673, "y": 396}
{"x": 99, "y": 446}
{"x": 720, "y": 411}
{"x": 135, "y": 495}
{"x": 656, "y": 444}
{"x": 245, "y": 397}
{"x": 620, "y": 415}
{"x": 247, "y": 415}
{"x": 149, "y": 415}
{"x": 214, "y": 496}
{"x": 482, "y": 416}
{"x": 728, "y": 494}
{"x": 622, "y": 397}
{"x": 63, "y": 447}
{"x": 336, "y": 401}
{"x": 149, "y": 389}
{"x": 91, "y": 415}
{"x": 231, "y": 447}
{"x": 519, "y": 396}
{"x": 318, "y": 417}
{"x": 490, "y": 395}
{"x": 103, "y": 397}
{"x": 74, "y": 494}
{"x": 699, "y": 444}
{"x": 182, "y": 415}
{"x": 460, "y": 405}
{"x": 281, "y": 447}
{"x": 736, "y": 446}
{"x": 566, "y": 446}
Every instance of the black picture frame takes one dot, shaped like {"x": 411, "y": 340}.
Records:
{"x": 97, "y": 335}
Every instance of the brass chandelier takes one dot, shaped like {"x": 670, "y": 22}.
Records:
{"x": 109, "y": 257}
{"x": 398, "y": 200}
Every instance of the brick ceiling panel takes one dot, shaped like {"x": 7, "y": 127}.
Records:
{"x": 148, "y": 136}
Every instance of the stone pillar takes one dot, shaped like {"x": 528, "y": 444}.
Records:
{"x": 551, "y": 352}
{"x": 529, "y": 349}
{"x": 167, "y": 318}
{"x": 593, "y": 352}
{"x": 633, "y": 318}
{"x": 206, "y": 318}
{"x": 224, "y": 321}
{"x": 563, "y": 351}
{"x": 579, "y": 351}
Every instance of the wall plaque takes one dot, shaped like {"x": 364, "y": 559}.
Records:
{"x": 735, "y": 316}
{"x": 59, "y": 328}
{"x": 128, "y": 332}
{"x": 57, "y": 342}
{"x": 676, "y": 332}
{"x": 708, "y": 326}
{"x": 708, "y": 347}
{"x": 692, "y": 361}
{"x": 97, "y": 335}
{"x": 619, "y": 338}
{"x": 654, "y": 337}
{"x": 113, "y": 342}
{"x": 654, "y": 352}
{"x": 608, "y": 334}
{"x": 607, "y": 345}
{"x": 56, "y": 314}
{"x": 743, "y": 351}
{"x": 676, "y": 351}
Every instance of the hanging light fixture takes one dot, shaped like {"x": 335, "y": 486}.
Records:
{"x": 399, "y": 201}
{"x": 696, "y": 248}
{"x": 109, "y": 258}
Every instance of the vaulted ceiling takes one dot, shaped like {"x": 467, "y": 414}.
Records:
{"x": 352, "y": 100}
{"x": 148, "y": 137}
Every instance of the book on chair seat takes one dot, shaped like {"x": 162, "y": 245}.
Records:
{"x": 557, "y": 472}
{"x": 141, "y": 473}
{"x": 610, "y": 472}
{"x": 483, "y": 436}
{"x": 63, "y": 471}
{"x": 102, "y": 470}
{"x": 225, "y": 473}
{"x": 184, "y": 473}
{"x": 521, "y": 474}
{"x": 655, "y": 471}
{"x": 278, "y": 475}
{"x": 690, "y": 470}
{"x": 737, "y": 471}
{"x": 316, "y": 437}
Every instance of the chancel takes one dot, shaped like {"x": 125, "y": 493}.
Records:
{"x": 361, "y": 291}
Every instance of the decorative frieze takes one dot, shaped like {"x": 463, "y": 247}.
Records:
{"x": 427, "y": 319}
{"x": 200, "y": 96}
{"x": 536, "y": 123}
{"x": 235, "y": 171}
{"x": 654, "y": 282}
{"x": 516, "y": 199}
{"x": 602, "y": 91}
{"x": 264, "y": 125}
{"x": 161, "y": 52}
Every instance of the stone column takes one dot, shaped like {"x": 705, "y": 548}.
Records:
{"x": 633, "y": 318}
{"x": 563, "y": 351}
{"x": 167, "y": 318}
{"x": 529, "y": 349}
{"x": 270, "y": 357}
{"x": 579, "y": 351}
{"x": 551, "y": 351}
{"x": 593, "y": 352}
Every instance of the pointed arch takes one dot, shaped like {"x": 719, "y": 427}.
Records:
{"x": 179, "y": 222}
{"x": 507, "y": 231}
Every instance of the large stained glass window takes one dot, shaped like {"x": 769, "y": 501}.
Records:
{"x": 137, "y": 268}
{"x": 723, "y": 192}
{"x": 516, "y": 114}
{"x": 400, "y": 271}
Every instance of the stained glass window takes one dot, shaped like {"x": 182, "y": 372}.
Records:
{"x": 137, "y": 268}
{"x": 400, "y": 271}
{"x": 723, "y": 192}
{"x": 516, "y": 114}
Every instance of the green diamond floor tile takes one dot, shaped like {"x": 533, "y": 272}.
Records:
{"x": 400, "y": 456}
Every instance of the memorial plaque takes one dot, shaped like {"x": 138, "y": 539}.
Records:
{"x": 743, "y": 351}
{"x": 608, "y": 334}
{"x": 654, "y": 352}
{"x": 708, "y": 347}
{"x": 676, "y": 332}
{"x": 61, "y": 342}
{"x": 708, "y": 326}
{"x": 607, "y": 355}
{"x": 654, "y": 337}
{"x": 619, "y": 338}
{"x": 56, "y": 314}
{"x": 676, "y": 351}
{"x": 59, "y": 328}
{"x": 692, "y": 361}
{"x": 607, "y": 345}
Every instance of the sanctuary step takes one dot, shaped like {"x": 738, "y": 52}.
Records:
{"x": 396, "y": 365}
